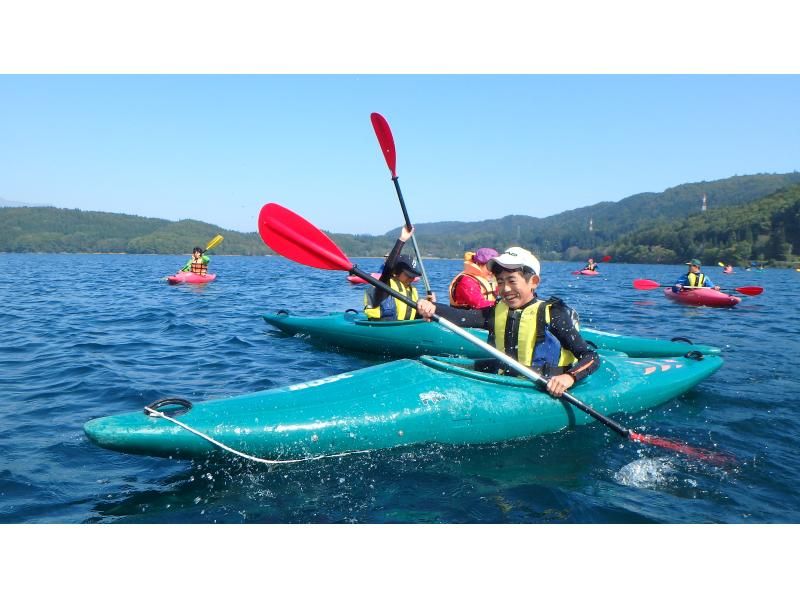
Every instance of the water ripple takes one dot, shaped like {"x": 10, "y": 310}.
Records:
{"x": 105, "y": 334}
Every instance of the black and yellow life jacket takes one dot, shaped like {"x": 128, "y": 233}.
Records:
{"x": 391, "y": 308}
{"x": 523, "y": 334}
{"x": 696, "y": 280}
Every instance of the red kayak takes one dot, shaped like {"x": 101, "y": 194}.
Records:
{"x": 190, "y": 278}
{"x": 702, "y": 296}
{"x": 586, "y": 272}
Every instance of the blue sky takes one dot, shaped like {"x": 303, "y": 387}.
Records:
{"x": 469, "y": 147}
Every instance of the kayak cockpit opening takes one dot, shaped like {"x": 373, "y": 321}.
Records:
{"x": 174, "y": 407}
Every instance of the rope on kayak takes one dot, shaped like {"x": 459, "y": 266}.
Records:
{"x": 155, "y": 413}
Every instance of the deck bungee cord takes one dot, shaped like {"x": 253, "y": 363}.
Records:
{"x": 149, "y": 410}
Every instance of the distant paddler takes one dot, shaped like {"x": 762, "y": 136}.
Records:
{"x": 198, "y": 263}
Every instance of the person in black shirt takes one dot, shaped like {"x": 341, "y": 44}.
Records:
{"x": 542, "y": 335}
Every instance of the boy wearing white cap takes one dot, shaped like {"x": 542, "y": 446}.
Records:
{"x": 542, "y": 335}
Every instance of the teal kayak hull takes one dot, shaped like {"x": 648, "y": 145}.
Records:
{"x": 412, "y": 338}
{"x": 397, "y": 403}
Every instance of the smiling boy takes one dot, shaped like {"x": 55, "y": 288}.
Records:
{"x": 542, "y": 335}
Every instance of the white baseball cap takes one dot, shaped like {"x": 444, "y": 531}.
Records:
{"x": 516, "y": 258}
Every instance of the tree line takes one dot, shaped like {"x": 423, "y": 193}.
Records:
{"x": 749, "y": 218}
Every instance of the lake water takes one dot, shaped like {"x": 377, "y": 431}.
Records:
{"x": 92, "y": 335}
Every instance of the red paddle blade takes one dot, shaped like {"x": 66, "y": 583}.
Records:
{"x": 385, "y": 139}
{"x": 297, "y": 239}
{"x": 606, "y": 258}
{"x": 712, "y": 457}
{"x": 643, "y": 284}
{"x": 752, "y": 291}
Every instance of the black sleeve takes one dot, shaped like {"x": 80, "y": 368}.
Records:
{"x": 388, "y": 266}
{"x": 466, "y": 318}
{"x": 566, "y": 331}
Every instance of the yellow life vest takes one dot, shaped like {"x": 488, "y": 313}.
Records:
{"x": 529, "y": 331}
{"x": 696, "y": 280}
{"x": 391, "y": 307}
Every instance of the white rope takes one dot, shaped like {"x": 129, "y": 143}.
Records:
{"x": 153, "y": 412}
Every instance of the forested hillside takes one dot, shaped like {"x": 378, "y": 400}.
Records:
{"x": 764, "y": 230}
{"x": 567, "y": 235}
{"x": 55, "y": 230}
{"x": 753, "y": 217}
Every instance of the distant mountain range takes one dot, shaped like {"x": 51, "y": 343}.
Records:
{"x": 743, "y": 218}
{"x": 4, "y": 203}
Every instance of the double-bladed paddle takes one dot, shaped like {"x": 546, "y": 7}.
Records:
{"x": 386, "y": 141}
{"x": 293, "y": 237}
{"x": 643, "y": 284}
{"x": 214, "y": 242}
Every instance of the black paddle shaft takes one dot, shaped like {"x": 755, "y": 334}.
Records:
{"x": 413, "y": 238}
{"x": 518, "y": 367}
{"x": 402, "y": 202}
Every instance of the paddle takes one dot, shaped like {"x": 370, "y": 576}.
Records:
{"x": 214, "y": 242}
{"x": 643, "y": 284}
{"x": 606, "y": 258}
{"x": 293, "y": 237}
{"x": 386, "y": 141}
{"x": 720, "y": 264}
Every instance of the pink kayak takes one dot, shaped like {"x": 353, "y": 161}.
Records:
{"x": 702, "y": 296}
{"x": 190, "y": 278}
{"x": 353, "y": 279}
{"x": 586, "y": 272}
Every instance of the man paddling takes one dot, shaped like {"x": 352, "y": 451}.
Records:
{"x": 694, "y": 278}
{"x": 542, "y": 335}
{"x": 399, "y": 272}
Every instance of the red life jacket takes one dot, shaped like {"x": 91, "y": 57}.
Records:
{"x": 472, "y": 270}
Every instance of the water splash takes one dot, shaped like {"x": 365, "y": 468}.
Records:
{"x": 647, "y": 472}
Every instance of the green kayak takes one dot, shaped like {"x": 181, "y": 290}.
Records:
{"x": 411, "y": 338}
{"x": 404, "y": 402}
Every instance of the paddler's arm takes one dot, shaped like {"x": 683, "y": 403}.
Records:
{"x": 707, "y": 283}
{"x": 566, "y": 331}
{"x": 680, "y": 283}
{"x": 466, "y": 318}
{"x": 388, "y": 265}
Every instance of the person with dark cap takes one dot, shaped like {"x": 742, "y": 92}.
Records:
{"x": 543, "y": 335}
{"x": 198, "y": 263}
{"x": 694, "y": 278}
{"x": 474, "y": 287}
{"x": 399, "y": 272}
